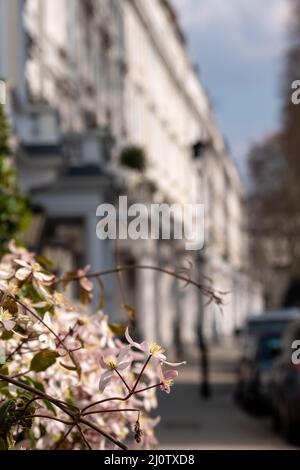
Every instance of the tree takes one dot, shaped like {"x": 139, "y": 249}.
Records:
{"x": 274, "y": 165}
{"x": 274, "y": 218}
{"x": 274, "y": 204}
{"x": 291, "y": 112}
{"x": 14, "y": 213}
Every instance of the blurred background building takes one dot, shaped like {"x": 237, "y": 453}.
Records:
{"x": 105, "y": 101}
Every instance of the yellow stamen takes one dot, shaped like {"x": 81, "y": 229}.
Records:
{"x": 5, "y": 315}
{"x": 35, "y": 266}
{"x": 112, "y": 364}
{"x": 155, "y": 348}
{"x": 169, "y": 382}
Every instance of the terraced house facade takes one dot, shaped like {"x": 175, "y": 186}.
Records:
{"x": 88, "y": 79}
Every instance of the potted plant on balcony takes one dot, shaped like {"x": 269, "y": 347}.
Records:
{"x": 134, "y": 158}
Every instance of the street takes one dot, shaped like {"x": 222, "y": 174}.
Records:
{"x": 189, "y": 422}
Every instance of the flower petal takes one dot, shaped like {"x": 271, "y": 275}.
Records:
{"x": 22, "y": 263}
{"x": 6, "y": 273}
{"x": 8, "y": 324}
{"x": 43, "y": 277}
{"x": 86, "y": 284}
{"x": 170, "y": 374}
{"x": 125, "y": 351}
{"x": 161, "y": 357}
{"x": 165, "y": 388}
{"x": 145, "y": 347}
{"x": 123, "y": 365}
{"x": 41, "y": 290}
{"x": 131, "y": 342}
{"x": 23, "y": 273}
{"x": 84, "y": 271}
{"x": 102, "y": 362}
{"x": 105, "y": 379}
{"x": 174, "y": 364}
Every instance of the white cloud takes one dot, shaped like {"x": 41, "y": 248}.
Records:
{"x": 253, "y": 28}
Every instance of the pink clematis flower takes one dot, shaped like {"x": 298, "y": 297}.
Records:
{"x": 85, "y": 283}
{"x": 167, "y": 379}
{"x": 6, "y": 275}
{"x": 6, "y": 320}
{"x": 152, "y": 349}
{"x": 6, "y": 271}
{"x": 112, "y": 363}
{"x": 40, "y": 279}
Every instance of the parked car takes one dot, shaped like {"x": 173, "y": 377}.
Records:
{"x": 261, "y": 345}
{"x": 285, "y": 387}
{"x": 270, "y": 321}
{"x": 255, "y": 372}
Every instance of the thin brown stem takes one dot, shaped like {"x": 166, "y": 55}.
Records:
{"x": 75, "y": 416}
{"x": 123, "y": 380}
{"x": 38, "y": 318}
{"x": 85, "y": 441}
{"x": 213, "y": 294}
{"x": 105, "y": 400}
{"x": 149, "y": 388}
{"x": 32, "y": 400}
{"x": 131, "y": 392}
{"x": 64, "y": 437}
{"x": 119, "y": 273}
{"x": 141, "y": 374}
{"x": 21, "y": 374}
{"x": 103, "y": 433}
{"x": 38, "y": 393}
{"x": 16, "y": 350}
{"x": 110, "y": 411}
{"x": 53, "y": 418}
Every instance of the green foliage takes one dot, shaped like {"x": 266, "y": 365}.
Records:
{"x": 14, "y": 411}
{"x": 14, "y": 213}
{"x": 134, "y": 157}
{"x": 43, "y": 359}
{"x": 7, "y": 410}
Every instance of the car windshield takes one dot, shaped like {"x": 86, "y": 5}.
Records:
{"x": 260, "y": 327}
{"x": 268, "y": 348}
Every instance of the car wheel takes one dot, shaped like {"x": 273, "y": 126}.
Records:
{"x": 290, "y": 429}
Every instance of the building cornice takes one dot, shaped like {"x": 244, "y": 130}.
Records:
{"x": 146, "y": 20}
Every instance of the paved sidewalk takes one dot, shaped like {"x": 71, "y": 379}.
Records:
{"x": 189, "y": 422}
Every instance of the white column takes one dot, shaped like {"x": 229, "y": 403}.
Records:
{"x": 187, "y": 304}
{"x": 189, "y": 309}
{"x": 99, "y": 256}
{"x": 166, "y": 308}
{"x": 146, "y": 299}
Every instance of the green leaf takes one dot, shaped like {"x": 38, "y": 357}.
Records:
{"x": 6, "y": 335}
{"x": 75, "y": 368}
{"x": 65, "y": 366}
{"x": 32, "y": 438}
{"x": 4, "y": 369}
{"x": 118, "y": 330}
{"x": 11, "y": 306}
{"x": 34, "y": 383}
{"x": 50, "y": 407}
{"x": 43, "y": 359}
{"x": 45, "y": 262}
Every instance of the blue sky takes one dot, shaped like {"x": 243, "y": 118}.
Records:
{"x": 239, "y": 48}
